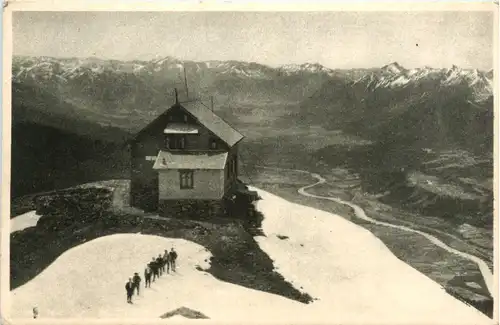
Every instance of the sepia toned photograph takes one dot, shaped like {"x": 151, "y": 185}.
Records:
{"x": 249, "y": 166}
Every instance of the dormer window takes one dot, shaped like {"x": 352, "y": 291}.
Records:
{"x": 175, "y": 142}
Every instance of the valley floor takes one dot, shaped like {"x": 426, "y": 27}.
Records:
{"x": 351, "y": 275}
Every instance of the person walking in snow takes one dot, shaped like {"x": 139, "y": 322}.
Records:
{"x": 166, "y": 260}
{"x": 129, "y": 287}
{"x": 154, "y": 267}
{"x": 163, "y": 263}
{"x": 159, "y": 262}
{"x": 35, "y": 312}
{"x": 147, "y": 275}
{"x": 137, "y": 282}
{"x": 173, "y": 258}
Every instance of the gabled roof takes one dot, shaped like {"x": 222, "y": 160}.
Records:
{"x": 207, "y": 118}
{"x": 183, "y": 160}
{"x": 213, "y": 122}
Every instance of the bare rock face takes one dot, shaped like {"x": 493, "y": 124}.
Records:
{"x": 184, "y": 312}
{"x": 80, "y": 206}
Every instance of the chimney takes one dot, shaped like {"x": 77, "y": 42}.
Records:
{"x": 186, "y": 84}
{"x": 176, "y": 97}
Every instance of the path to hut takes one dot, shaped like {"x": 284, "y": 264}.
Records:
{"x": 121, "y": 199}
{"x": 360, "y": 213}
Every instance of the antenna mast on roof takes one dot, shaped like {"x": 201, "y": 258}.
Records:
{"x": 186, "y": 83}
{"x": 176, "y": 97}
{"x": 212, "y": 103}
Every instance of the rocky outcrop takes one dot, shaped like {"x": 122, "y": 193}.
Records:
{"x": 480, "y": 302}
{"x": 192, "y": 209}
{"x": 238, "y": 204}
{"x": 185, "y": 312}
{"x": 65, "y": 208}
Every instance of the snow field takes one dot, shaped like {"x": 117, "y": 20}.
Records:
{"x": 88, "y": 281}
{"x": 355, "y": 277}
{"x": 24, "y": 221}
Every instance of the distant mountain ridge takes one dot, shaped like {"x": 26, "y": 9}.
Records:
{"x": 121, "y": 84}
{"x": 425, "y": 107}
{"x": 128, "y": 86}
{"x": 71, "y": 67}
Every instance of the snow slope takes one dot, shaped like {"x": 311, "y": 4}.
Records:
{"x": 24, "y": 221}
{"x": 354, "y": 276}
{"x": 88, "y": 281}
{"x": 352, "y": 273}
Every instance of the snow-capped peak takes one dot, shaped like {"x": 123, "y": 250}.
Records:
{"x": 305, "y": 67}
{"x": 166, "y": 59}
{"x": 479, "y": 82}
{"x": 394, "y": 68}
{"x": 457, "y": 75}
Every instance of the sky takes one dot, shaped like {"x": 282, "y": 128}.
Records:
{"x": 333, "y": 39}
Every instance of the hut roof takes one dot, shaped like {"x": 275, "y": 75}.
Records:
{"x": 190, "y": 160}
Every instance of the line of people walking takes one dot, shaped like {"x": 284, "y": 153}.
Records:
{"x": 154, "y": 269}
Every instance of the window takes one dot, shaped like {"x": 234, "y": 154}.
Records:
{"x": 231, "y": 169}
{"x": 185, "y": 118}
{"x": 235, "y": 170}
{"x": 186, "y": 179}
{"x": 175, "y": 142}
{"x": 170, "y": 118}
{"x": 136, "y": 168}
{"x": 213, "y": 144}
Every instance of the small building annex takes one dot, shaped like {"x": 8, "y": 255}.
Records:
{"x": 184, "y": 162}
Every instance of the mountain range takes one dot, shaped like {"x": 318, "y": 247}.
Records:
{"x": 400, "y": 109}
{"x": 428, "y": 108}
{"x": 108, "y": 90}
